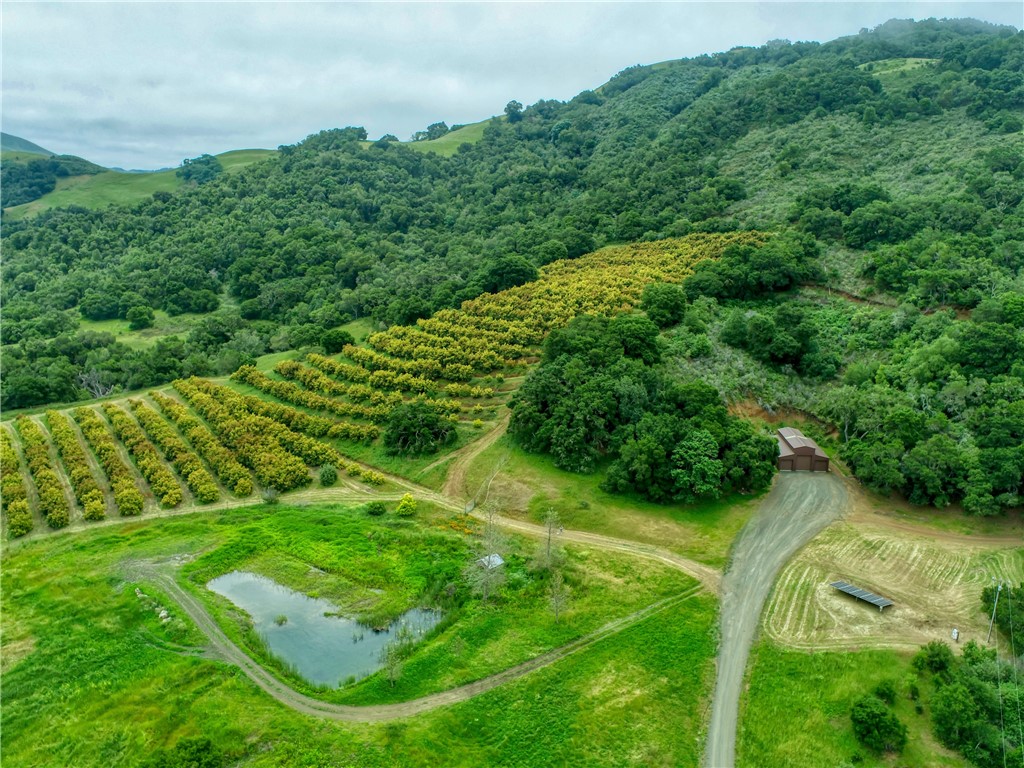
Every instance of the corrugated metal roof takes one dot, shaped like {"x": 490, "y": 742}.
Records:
{"x": 796, "y": 439}
{"x": 863, "y": 594}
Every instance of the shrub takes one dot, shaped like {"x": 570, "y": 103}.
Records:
{"x": 328, "y": 475}
{"x": 886, "y": 691}
{"x": 407, "y": 506}
{"x": 19, "y": 519}
{"x": 376, "y": 508}
{"x": 876, "y": 727}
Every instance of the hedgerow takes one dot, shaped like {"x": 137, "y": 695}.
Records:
{"x": 13, "y": 494}
{"x": 52, "y": 504}
{"x": 87, "y": 490}
{"x": 159, "y": 477}
{"x": 184, "y": 459}
{"x": 127, "y": 498}
{"x": 220, "y": 458}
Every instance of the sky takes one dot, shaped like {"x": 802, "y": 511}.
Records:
{"x": 147, "y": 84}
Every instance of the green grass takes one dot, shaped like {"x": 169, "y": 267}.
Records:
{"x": 360, "y": 329}
{"x": 891, "y": 66}
{"x": 237, "y": 159}
{"x": 20, "y": 156}
{"x": 266, "y": 363}
{"x": 117, "y": 188}
{"x": 449, "y": 144}
{"x": 796, "y": 710}
{"x": 163, "y": 325}
{"x": 703, "y": 531}
{"x": 92, "y": 678}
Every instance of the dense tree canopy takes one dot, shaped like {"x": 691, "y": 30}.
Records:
{"x": 597, "y": 396}
{"x": 335, "y": 227}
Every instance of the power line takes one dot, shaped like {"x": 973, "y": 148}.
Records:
{"x": 999, "y": 686}
{"x": 1013, "y": 662}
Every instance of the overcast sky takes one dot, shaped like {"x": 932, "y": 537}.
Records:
{"x": 144, "y": 85}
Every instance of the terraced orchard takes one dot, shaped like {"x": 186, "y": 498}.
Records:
{"x": 935, "y": 583}
{"x": 201, "y": 441}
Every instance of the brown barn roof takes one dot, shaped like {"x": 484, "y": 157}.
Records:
{"x": 794, "y": 441}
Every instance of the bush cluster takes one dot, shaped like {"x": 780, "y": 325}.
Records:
{"x": 251, "y": 437}
{"x": 221, "y": 459}
{"x": 146, "y": 458}
{"x": 52, "y": 503}
{"x": 382, "y": 379}
{"x": 87, "y": 491}
{"x": 293, "y": 393}
{"x": 127, "y": 499}
{"x": 185, "y": 461}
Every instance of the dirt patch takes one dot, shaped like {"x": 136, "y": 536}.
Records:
{"x": 15, "y": 651}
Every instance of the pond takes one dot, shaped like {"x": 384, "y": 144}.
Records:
{"x": 325, "y": 650}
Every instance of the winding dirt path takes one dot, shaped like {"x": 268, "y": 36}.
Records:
{"x": 799, "y": 506}
{"x": 223, "y": 649}
{"x": 455, "y": 483}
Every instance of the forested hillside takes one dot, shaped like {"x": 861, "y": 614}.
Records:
{"x": 27, "y": 176}
{"x": 898, "y": 149}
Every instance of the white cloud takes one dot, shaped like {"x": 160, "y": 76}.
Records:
{"x": 147, "y": 84}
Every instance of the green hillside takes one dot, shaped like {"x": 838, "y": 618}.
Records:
{"x": 895, "y": 143}
{"x": 117, "y": 188}
{"x": 448, "y": 144}
{"x": 506, "y": 400}
{"x": 9, "y": 143}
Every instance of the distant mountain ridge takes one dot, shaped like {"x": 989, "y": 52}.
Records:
{"x": 10, "y": 143}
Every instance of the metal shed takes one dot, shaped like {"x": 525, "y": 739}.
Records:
{"x": 798, "y": 453}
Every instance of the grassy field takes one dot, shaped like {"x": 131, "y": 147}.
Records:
{"x": 163, "y": 325}
{"x": 796, "y": 711}
{"x": 116, "y": 188}
{"x": 378, "y": 568}
{"x": 449, "y": 144}
{"x": 934, "y": 578}
{"x": 528, "y": 484}
{"x": 93, "y": 678}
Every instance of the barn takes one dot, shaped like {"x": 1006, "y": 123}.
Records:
{"x": 798, "y": 453}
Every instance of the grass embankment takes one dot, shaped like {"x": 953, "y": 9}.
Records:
{"x": 529, "y": 484}
{"x": 449, "y": 144}
{"x": 118, "y": 188}
{"x": 93, "y": 678}
{"x": 796, "y": 710}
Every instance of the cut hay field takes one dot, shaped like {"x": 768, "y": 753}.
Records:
{"x": 935, "y": 579}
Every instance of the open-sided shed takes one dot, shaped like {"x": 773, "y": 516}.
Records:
{"x": 798, "y": 453}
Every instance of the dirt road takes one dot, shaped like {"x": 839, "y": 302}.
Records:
{"x": 223, "y": 649}
{"x": 799, "y": 506}
{"x": 707, "y": 575}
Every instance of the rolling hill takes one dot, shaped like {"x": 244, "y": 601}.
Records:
{"x": 110, "y": 187}
{"x": 9, "y": 143}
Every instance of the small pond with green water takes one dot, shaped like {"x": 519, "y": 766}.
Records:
{"x": 323, "y": 649}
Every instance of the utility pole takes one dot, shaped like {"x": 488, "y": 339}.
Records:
{"x": 995, "y": 605}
